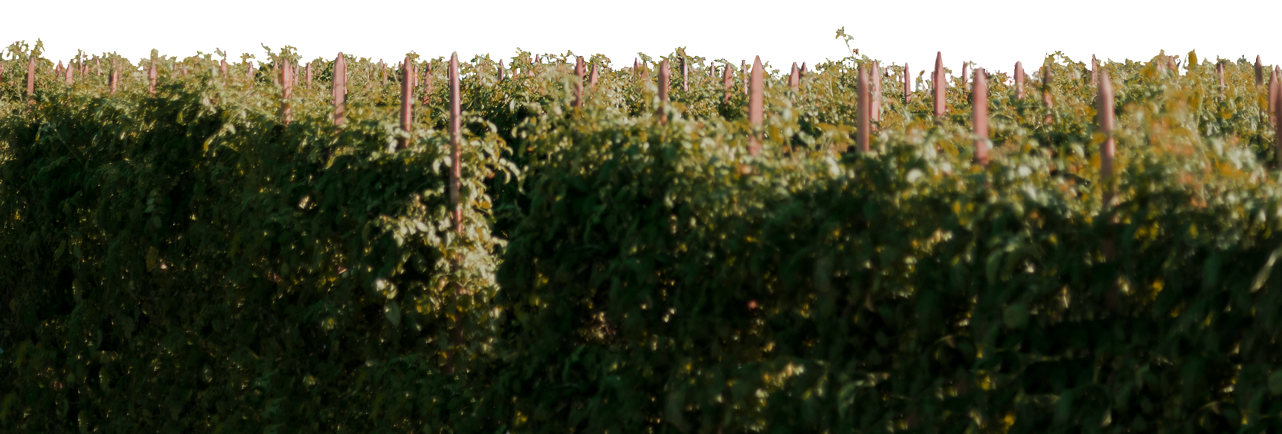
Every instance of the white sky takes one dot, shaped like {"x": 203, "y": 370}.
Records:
{"x": 993, "y": 34}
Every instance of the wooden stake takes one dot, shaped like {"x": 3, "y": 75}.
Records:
{"x": 940, "y": 85}
{"x": 151, "y": 77}
{"x": 97, "y": 64}
{"x": 594, "y": 76}
{"x": 57, "y": 71}
{"x": 727, "y": 80}
{"x": 979, "y": 105}
{"x": 1019, "y": 80}
{"x": 502, "y": 71}
{"x": 685, "y": 75}
{"x": 287, "y": 90}
{"x": 964, "y": 75}
{"x": 743, "y": 68}
{"x": 794, "y": 77}
{"x": 663, "y": 91}
{"x": 407, "y": 100}
{"x": 578, "y": 82}
{"x": 755, "y": 103}
{"x": 1047, "y": 99}
{"x": 113, "y": 79}
{"x": 456, "y": 138}
{"x": 71, "y": 77}
{"x": 1273, "y": 88}
{"x": 339, "y": 89}
{"x": 1108, "y": 148}
{"x": 249, "y": 72}
{"x": 1259, "y": 72}
{"x": 1277, "y": 128}
{"x": 875, "y": 112}
{"x": 31, "y": 77}
{"x": 1094, "y": 68}
{"x": 1219, "y": 73}
{"x": 309, "y": 75}
{"x": 863, "y": 97}
{"x": 908, "y": 85}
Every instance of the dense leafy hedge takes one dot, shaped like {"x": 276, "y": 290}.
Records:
{"x": 187, "y": 263}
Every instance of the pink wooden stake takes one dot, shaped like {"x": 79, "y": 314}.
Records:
{"x": 151, "y": 78}
{"x": 502, "y": 71}
{"x": 727, "y": 81}
{"x": 1019, "y": 80}
{"x": 407, "y": 100}
{"x": 249, "y": 71}
{"x": 1219, "y": 72}
{"x": 31, "y": 76}
{"x": 97, "y": 63}
{"x": 113, "y": 79}
{"x": 456, "y": 138}
{"x": 309, "y": 75}
{"x": 1259, "y": 72}
{"x": 594, "y": 75}
{"x": 339, "y": 90}
{"x": 908, "y": 85}
{"x": 875, "y": 112}
{"x": 57, "y": 71}
{"x": 71, "y": 77}
{"x": 979, "y": 103}
{"x": 1277, "y": 127}
{"x": 1094, "y": 68}
{"x": 794, "y": 77}
{"x": 1108, "y": 149}
{"x": 803, "y": 70}
{"x": 578, "y": 82}
{"x": 287, "y": 90}
{"x": 863, "y": 98}
{"x": 940, "y": 86}
{"x": 663, "y": 91}
{"x": 755, "y": 103}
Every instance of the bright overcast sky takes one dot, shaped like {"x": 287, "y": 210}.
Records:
{"x": 994, "y": 34}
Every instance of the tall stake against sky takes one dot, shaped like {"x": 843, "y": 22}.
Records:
{"x": 249, "y": 71}
{"x": 727, "y": 80}
{"x": 31, "y": 76}
{"x": 940, "y": 85}
{"x": 865, "y": 105}
{"x": 578, "y": 82}
{"x": 663, "y": 91}
{"x": 794, "y": 77}
{"x": 339, "y": 90}
{"x": 456, "y": 154}
{"x": 1259, "y": 71}
{"x": 151, "y": 77}
{"x": 407, "y": 101}
{"x": 979, "y": 105}
{"x": 1108, "y": 149}
{"x": 1019, "y": 80}
{"x": 908, "y": 84}
{"x": 593, "y": 76}
{"x": 755, "y": 105}
{"x": 287, "y": 90}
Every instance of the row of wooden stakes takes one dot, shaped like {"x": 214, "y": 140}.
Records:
{"x": 869, "y": 94}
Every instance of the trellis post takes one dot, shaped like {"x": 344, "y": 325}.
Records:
{"x": 456, "y": 155}
{"x": 940, "y": 85}
{"x": 865, "y": 105}
{"x": 908, "y": 85}
{"x": 339, "y": 88}
{"x": 578, "y": 82}
{"x": 755, "y": 106}
{"x": 663, "y": 91}
{"x": 287, "y": 90}
{"x": 1019, "y": 80}
{"x": 407, "y": 99}
{"x": 979, "y": 104}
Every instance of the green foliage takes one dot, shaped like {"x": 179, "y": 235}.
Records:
{"x": 188, "y": 263}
